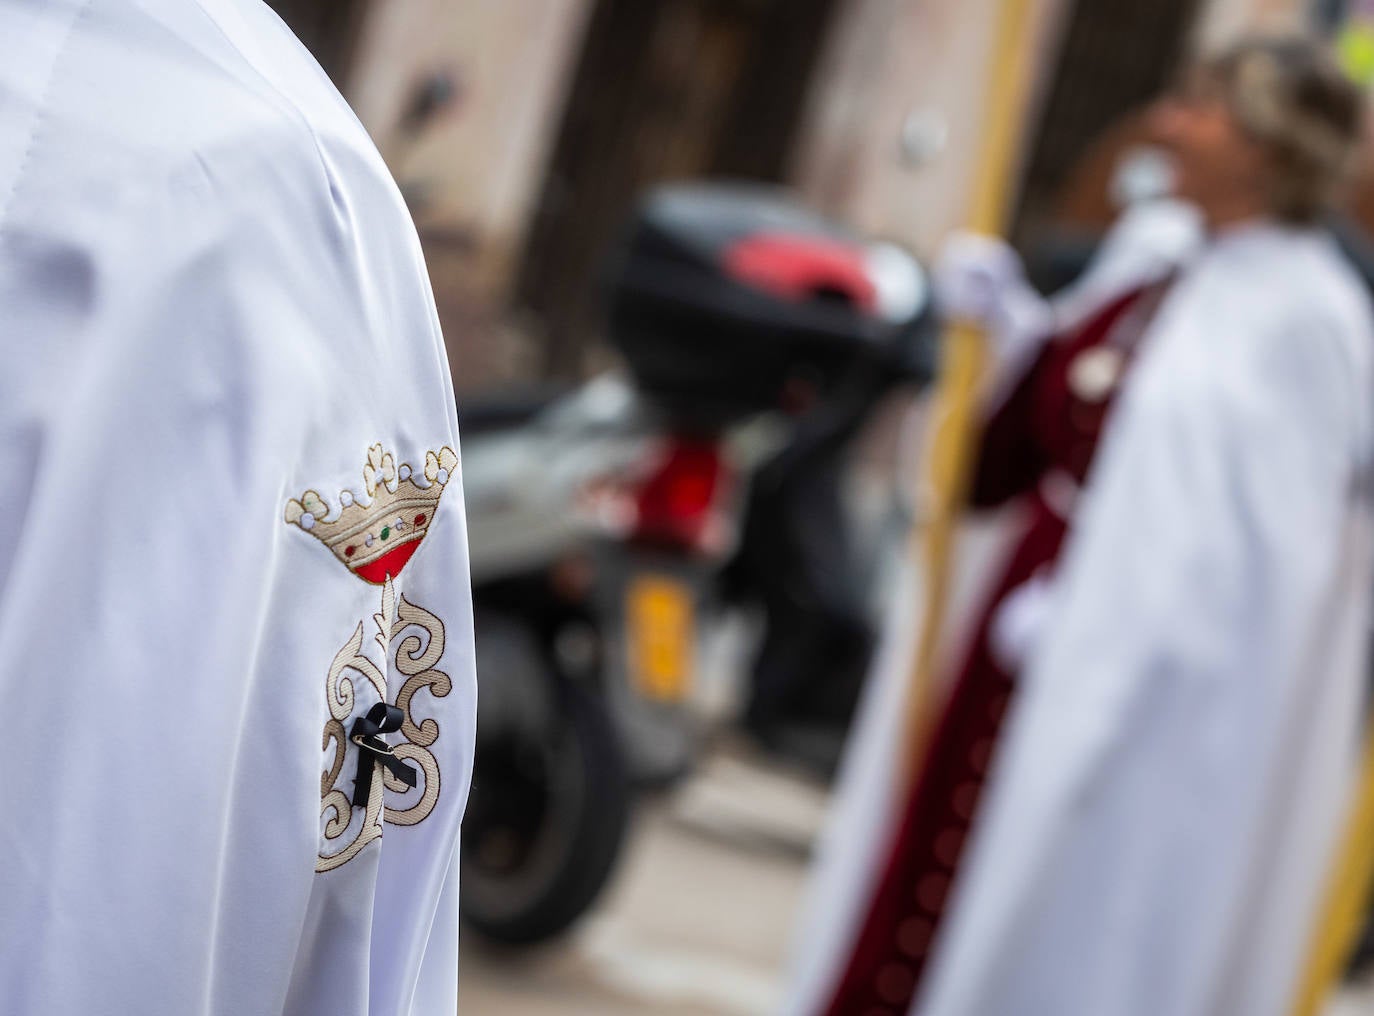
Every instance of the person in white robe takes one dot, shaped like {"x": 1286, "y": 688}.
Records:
{"x": 1163, "y": 811}
{"x": 236, "y": 651}
{"x": 979, "y": 278}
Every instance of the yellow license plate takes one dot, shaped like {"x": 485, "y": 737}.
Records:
{"x": 661, "y": 635}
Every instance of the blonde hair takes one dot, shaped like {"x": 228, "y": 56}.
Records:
{"x": 1289, "y": 94}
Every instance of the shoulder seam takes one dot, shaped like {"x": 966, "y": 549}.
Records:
{"x": 39, "y": 119}
{"x": 295, "y": 110}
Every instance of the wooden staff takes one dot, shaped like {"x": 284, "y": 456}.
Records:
{"x": 963, "y": 358}
{"x": 1347, "y": 900}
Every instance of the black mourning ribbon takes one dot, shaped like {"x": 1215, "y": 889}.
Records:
{"x": 366, "y": 734}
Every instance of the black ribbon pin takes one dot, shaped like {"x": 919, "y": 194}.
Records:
{"x": 366, "y": 734}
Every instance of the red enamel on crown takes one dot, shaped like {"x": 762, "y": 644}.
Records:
{"x": 375, "y": 537}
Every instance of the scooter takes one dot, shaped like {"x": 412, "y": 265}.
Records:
{"x": 733, "y": 303}
{"x": 601, "y": 519}
{"x": 580, "y": 695}
{"x": 551, "y": 793}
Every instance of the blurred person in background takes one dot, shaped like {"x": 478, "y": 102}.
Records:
{"x": 1188, "y": 679}
{"x": 234, "y": 607}
{"x": 1058, "y": 364}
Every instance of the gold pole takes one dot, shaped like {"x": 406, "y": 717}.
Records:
{"x": 962, "y": 364}
{"x": 1346, "y": 902}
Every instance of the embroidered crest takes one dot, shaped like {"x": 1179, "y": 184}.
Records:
{"x": 399, "y": 782}
{"x": 375, "y": 537}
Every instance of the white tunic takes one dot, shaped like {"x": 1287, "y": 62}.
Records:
{"x": 225, "y": 404}
{"x": 1147, "y": 243}
{"x": 1162, "y": 812}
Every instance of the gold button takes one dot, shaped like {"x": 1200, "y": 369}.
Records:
{"x": 913, "y": 936}
{"x": 895, "y": 982}
{"x": 948, "y": 845}
{"x": 1094, "y": 373}
{"x": 931, "y": 892}
{"x": 964, "y": 799}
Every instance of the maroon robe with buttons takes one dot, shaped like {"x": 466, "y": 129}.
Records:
{"x": 1038, "y": 445}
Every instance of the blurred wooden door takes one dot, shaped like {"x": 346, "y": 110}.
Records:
{"x": 663, "y": 90}
{"x": 1114, "y": 59}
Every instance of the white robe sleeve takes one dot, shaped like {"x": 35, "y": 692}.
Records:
{"x": 212, "y": 300}
{"x": 1160, "y": 815}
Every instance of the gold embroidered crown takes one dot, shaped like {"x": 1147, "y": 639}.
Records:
{"x": 377, "y": 536}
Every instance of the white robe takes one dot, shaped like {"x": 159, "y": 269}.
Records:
{"x": 212, "y": 301}
{"x": 1162, "y": 812}
{"x": 1147, "y": 243}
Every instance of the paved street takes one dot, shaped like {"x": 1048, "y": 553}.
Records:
{"x": 697, "y": 923}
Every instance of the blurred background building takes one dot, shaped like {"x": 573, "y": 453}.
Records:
{"x": 523, "y": 130}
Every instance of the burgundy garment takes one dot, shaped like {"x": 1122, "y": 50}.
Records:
{"x": 1050, "y": 424}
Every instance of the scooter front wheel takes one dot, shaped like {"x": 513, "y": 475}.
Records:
{"x": 550, "y": 799}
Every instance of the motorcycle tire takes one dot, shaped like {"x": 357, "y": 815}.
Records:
{"x": 546, "y": 818}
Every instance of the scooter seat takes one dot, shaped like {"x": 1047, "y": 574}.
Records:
{"x": 505, "y": 410}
